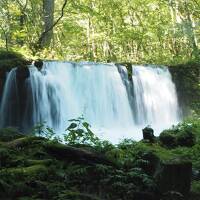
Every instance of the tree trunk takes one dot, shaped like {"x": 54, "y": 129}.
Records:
{"x": 48, "y": 8}
{"x": 191, "y": 32}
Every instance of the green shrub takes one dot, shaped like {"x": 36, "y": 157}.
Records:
{"x": 79, "y": 132}
{"x": 43, "y": 130}
{"x": 186, "y": 138}
{"x": 168, "y": 139}
{"x": 195, "y": 187}
{"x": 185, "y": 134}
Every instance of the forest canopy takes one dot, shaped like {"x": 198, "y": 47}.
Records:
{"x": 139, "y": 31}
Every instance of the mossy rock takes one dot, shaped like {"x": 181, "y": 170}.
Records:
{"x": 29, "y": 198}
{"x": 9, "y": 134}
{"x": 6, "y": 55}
{"x": 10, "y": 59}
{"x": 73, "y": 195}
{"x": 6, "y": 157}
{"x": 8, "y": 191}
{"x": 45, "y": 162}
{"x": 186, "y": 78}
{"x": 26, "y": 141}
{"x": 15, "y": 182}
{"x": 168, "y": 139}
{"x": 172, "y": 138}
{"x": 36, "y": 171}
{"x": 186, "y": 138}
{"x": 71, "y": 154}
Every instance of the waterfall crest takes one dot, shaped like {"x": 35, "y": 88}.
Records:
{"x": 114, "y": 105}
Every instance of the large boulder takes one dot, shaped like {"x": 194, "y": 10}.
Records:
{"x": 148, "y": 134}
{"x": 168, "y": 139}
{"x": 71, "y": 154}
{"x": 39, "y": 64}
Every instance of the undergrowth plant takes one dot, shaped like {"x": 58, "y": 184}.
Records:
{"x": 79, "y": 132}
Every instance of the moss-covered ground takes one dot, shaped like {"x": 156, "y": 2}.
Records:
{"x": 34, "y": 167}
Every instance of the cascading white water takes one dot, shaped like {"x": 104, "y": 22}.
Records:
{"x": 101, "y": 93}
{"x": 64, "y": 91}
{"x": 9, "y": 100}
{"x": 156, "y": 102}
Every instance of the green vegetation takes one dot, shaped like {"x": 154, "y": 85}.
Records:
{"x": 147, "y": 31}
{"x": 187, "y": 81}
{"x": 10, "y": 59}
{"x": 79, "y": 133}
{"x": 84, "y": 169}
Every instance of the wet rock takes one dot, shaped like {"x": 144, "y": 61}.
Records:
{"x": 22, "y": 73}
{"x": 26, "y": 141}
{"x": 148, "y": 134}
{"x": 168, "y": 139}
{"x": 9, "y": 60}
{"x": 39, "y": 64}
{"x": 195, "y": 174}
{"x": 2, "y": 81}
{"x": 128, "y": 67}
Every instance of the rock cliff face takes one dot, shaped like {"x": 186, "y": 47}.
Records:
{"x": 9, "y": 60}
{"x": 187, "y": 80}
{"x": 2, "y": 80}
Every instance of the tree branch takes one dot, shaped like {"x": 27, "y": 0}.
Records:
{"x": 23, "y": 7}
{"x": 54, "y": 24}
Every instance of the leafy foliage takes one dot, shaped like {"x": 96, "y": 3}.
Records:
{"x": 79, "y": 132}
{"x": 184, "y": 134}
{"x": 43, "y": 174}
{"x": 152, "y": 31}
{"x": 42, "y": 130}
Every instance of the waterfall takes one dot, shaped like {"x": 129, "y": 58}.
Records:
{"x": 156, "y": 102}
{"x": 115, "y": 106}
{"x": 9, "y": 109}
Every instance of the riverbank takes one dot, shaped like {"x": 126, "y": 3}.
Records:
{"x": 34, "y": 167}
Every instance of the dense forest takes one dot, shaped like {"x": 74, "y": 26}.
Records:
{"x": 147, "y": 31}
{"x": 99, "y": 99}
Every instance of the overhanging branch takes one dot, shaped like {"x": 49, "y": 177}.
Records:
{"x": 54, "y": 24}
